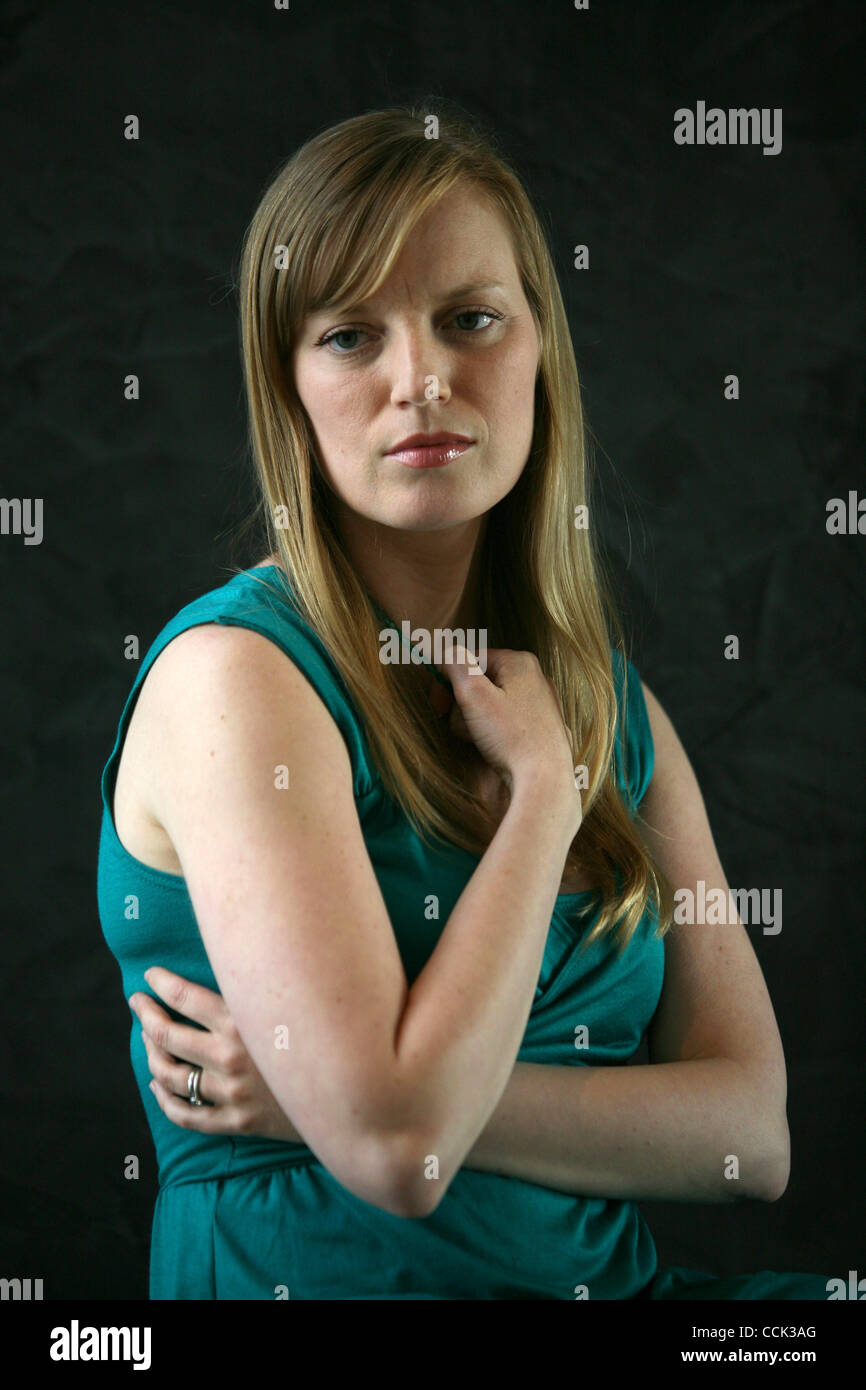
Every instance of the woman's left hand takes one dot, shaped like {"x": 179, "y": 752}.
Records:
{"x": 238, "y": 1100}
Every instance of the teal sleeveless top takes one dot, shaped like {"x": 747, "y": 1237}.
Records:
{"x": 241, "y": 1217}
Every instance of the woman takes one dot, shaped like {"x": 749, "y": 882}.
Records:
{"x": 412, "y": 912}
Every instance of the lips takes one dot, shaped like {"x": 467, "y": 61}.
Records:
{"x": 426, "y": 441}
{"x": 430, "y": 450}
{"x": 432, "y": 455}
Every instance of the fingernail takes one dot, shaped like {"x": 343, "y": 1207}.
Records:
{"x": 153, "y": 1086}
{"x": 132, "y": 1004}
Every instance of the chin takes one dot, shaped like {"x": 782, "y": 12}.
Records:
{"x": 433, "y": 522}
{"x": 435, "y": 516}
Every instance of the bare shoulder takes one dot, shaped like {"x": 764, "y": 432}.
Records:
{"x": 212, "y": 661}
{"x": 199, "y": 652}
{"x": 186, "y": 675}
{"x": 181, "y": 666}
{"x": 234, "y": 679}
{"x": 210, "y": 678}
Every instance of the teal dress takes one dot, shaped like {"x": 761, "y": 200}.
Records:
{"x": 241, "y": 1217}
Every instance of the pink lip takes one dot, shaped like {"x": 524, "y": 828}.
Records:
{"x": 435, "y": 455}
{"x": 421, "y": 441}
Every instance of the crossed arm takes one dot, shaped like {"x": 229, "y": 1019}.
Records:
{"x": 704, "y": 1121}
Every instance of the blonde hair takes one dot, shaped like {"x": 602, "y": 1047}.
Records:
{"x": 343, "y": 206}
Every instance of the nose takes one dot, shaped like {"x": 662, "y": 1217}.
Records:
{"x": 419, "y": 367}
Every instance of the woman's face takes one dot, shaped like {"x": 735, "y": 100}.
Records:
{"x": 451, "y": 320}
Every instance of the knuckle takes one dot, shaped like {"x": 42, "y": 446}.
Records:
{"x": 220, "y": 1006}
{"x": 145, "y": 1010}
{"x": 164, "y": 1074}
{"x": 230, "y": 1028}
{"x": 179, "y": 992}
{"x": 231, "y": 1059}
{"x": 241, "y": 1120}
{"x": 236, "y": 1090}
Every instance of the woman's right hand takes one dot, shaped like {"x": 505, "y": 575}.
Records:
{"x": 513, "y": 716}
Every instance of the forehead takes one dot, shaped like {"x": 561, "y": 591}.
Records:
{"x": 464, "y": 235}
{"x": 460, "y": 247}
{"x": 485, "y": 285}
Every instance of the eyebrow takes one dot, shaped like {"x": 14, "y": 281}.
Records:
{"x": 471, "y": 287}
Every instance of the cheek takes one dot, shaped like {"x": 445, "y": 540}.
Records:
{"x": 337, "y": 407}
{"x": 513, "y": 378}
{"x": 512, "y": 416}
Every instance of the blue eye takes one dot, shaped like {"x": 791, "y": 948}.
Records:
{"x": 475, "y": 313}
{"x": 341, "y": 333}
{"x": 336, "y": 333}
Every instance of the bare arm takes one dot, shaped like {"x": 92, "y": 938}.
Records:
{"x": 467, "y": 1011}
{"x": 374, "y": 1075}
{"x": 716, "y": 1085}
{"x": 665, "y": 1132}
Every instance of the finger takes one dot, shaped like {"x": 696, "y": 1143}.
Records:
{"x": 206, "y": 1119}
{"x": 463, "y": 663}
{"x": 173, "y": 1075}
{"x": 178, "y": 1039}
{"x": 193, "y": 1001}
{"x": 498, "y": 666}
{"x": 457, "y": 662}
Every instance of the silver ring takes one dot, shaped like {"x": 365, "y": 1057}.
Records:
{"x": 192, "y": 1086}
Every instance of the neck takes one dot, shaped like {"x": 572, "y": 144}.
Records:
{"x": 430, "y": 578}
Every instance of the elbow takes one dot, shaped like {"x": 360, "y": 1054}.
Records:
{"x": 776, "y": 1167}
{"x": 412, "y": 1175}
{"x": 412, "y": 1185}
{"x": 372, "y": 1153}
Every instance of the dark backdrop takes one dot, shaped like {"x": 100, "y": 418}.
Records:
{"x": 704, "y": 261}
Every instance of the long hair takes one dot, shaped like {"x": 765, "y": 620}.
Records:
{"x": 329, "y": 227}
